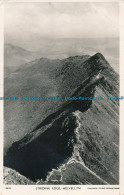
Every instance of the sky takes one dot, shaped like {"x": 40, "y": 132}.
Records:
{"x": 29, "y": 21}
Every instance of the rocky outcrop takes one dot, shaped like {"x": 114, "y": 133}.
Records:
{"x": 77, "y": 144}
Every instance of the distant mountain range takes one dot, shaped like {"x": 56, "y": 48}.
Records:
{"x": 63, "y": 142}
{"x": 15, "y": 56}
{"x": 60, "y": 49}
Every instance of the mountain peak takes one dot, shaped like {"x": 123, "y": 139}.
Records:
{"x": 96, "y": 63}
{"x": 99, "y": 55}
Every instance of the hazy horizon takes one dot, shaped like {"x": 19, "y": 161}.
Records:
{"x": 57, "y": 30}
{"x": 31, "y": 22}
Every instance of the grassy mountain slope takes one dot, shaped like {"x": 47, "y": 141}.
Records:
{"x": 55, "y": 139}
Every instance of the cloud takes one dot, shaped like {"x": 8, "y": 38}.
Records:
{"x": 28, "y": 21}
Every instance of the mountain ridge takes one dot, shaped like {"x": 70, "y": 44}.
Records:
{"x": 80, "y": 135}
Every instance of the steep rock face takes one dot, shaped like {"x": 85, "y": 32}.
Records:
{"x": 74, "y": 71}
{"x": 44, "y": 77}
{"x": 13, "y": 177}
{"x": 77, "y": 144}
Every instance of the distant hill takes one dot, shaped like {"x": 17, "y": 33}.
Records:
{"x": 64, "y": 142}
{"x": 15, "y": 56}
{"x": 61, "y": 48}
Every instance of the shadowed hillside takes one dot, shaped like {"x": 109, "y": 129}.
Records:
{"x": 72, "y": 142}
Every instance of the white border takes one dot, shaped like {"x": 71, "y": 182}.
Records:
{"x": 122, "y": 93}
{"x": 31, "y": 189}
{"x": 1, "y": 92}
{"x": 26, "y": 1}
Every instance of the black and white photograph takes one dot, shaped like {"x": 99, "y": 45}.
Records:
{"x": 61, "y": 93}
